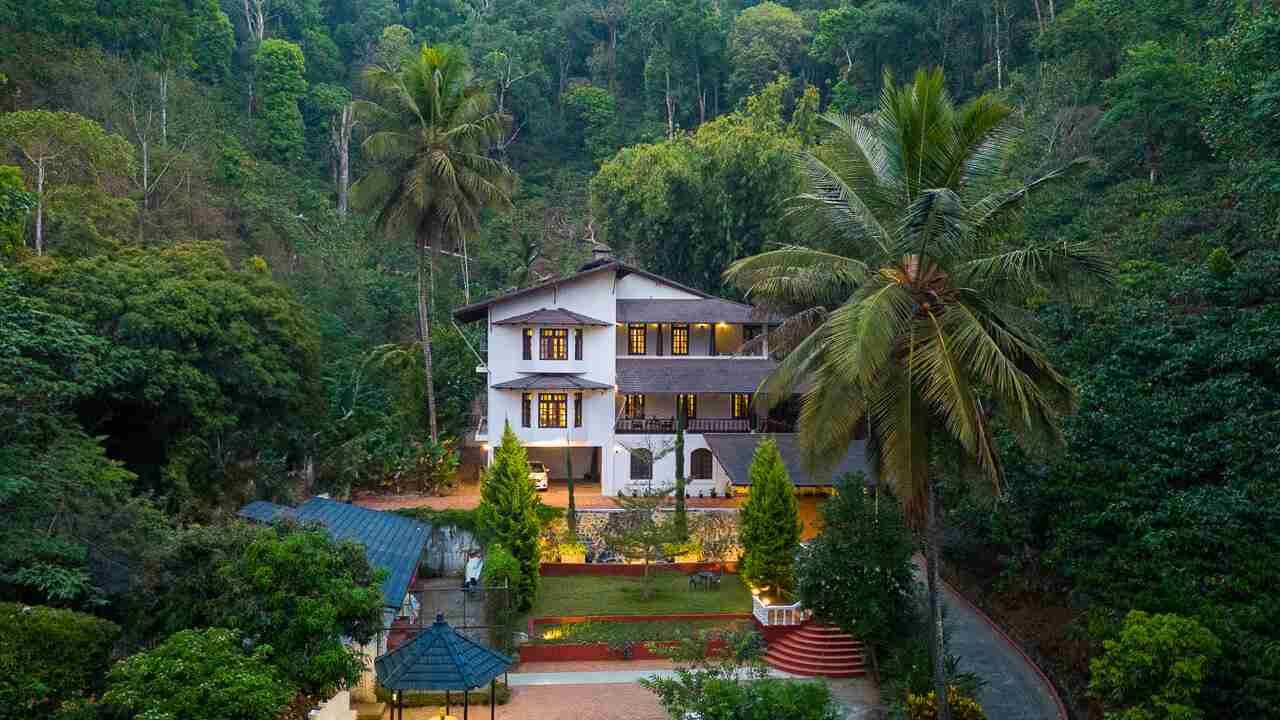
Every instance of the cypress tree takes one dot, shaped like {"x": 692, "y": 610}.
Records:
{"x": 681, "y": 518}
{"x": 508, "y": 513}
{"x": 769, "y": 524}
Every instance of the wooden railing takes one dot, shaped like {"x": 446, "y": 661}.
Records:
{"x": 667, "y": 425}
{"x": 769, "y": 614}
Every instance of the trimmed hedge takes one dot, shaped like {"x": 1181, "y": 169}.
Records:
{"x": 414, "y": 698}
{"x": 50, "y": 656}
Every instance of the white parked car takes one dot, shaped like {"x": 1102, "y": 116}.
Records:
{"x": 539, "y": 474}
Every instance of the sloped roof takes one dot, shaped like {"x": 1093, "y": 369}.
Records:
{"x": 551, "y": 381}
{"x": 704, "y": 310}
{"x": 439, "y": 658}
{"x": 734, "y": 453}
{"x": 262, "y": 511}
{"x": 391, "y": 542}
{"x": 477, "y": 310}
{"x": 692, "y": 375}
{"x": 551, "y": 316}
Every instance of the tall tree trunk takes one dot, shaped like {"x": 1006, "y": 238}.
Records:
{"x": 1053, "y": 15}
{"x": 164, "y": 107}
{"x": 426, "y": 272}
{"x": 671, "y": 108}
{"x": 571, "y": 518}
{"x": 342, "y": 146}
{"x": 40, "y": 171}
{"x": 937, "y": 640}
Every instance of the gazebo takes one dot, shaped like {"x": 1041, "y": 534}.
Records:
{"x": 439, "y": 658}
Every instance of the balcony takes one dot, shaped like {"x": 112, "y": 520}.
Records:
{"x": 667, "y": 425}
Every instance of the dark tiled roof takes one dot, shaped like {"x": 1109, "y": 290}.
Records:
{"x": 734, "y": 453}
{"x": 706, "y": 310}
{"x": 553, "y": 316}
{"x": 692, "y": 375}
{"x": 262, "y": 511}
{"x": 551, "y": 381}
{"x": 438, "y": 658}
{"x": 391, "y": 542}
{"x": 476, "y": 311}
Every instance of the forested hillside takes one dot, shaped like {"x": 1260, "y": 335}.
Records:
{"x": 202, "y": 304}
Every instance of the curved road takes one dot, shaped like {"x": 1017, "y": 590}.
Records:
{"x": 1015, "y": 689}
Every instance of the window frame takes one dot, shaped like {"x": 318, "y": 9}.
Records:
{"x": 740, "y": 406}
{"x": 703, "y": 455}
{"x": 553, "y": 344}
{"x": 526, "y": 410}
{"x": 641, "y": 458}
{"x": 679, "y": 338}
{"x": 577, "y": 409}
{"x": 526, "y": 340}
{"x": 577, "y": 343}
{"x": 553, "y": 410}
{"x": 691, "y": 408}
{"x": 638, "y": 331}
{"x": 630, "y": 403}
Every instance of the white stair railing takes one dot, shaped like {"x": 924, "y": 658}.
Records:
{"x": 772, "y": 614}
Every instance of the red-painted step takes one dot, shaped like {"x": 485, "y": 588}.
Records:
{"x": 818, "y": 651}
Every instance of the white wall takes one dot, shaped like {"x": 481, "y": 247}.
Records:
{"x": 728, "y": 340}
{"x": 664, "y": 469}
{"x": 638, "y": 287}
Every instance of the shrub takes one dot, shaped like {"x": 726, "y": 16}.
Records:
{"x": 1155, "y": 669}
{"x": 508, "y": 514}
{"x": 200, "y": 675}
{"x": 925, "y": 707}
{"x": 500, "y": 566}
{"x": 50, "y": 656}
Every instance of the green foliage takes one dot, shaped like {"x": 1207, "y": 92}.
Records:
{"x": 306, "y": 598}
{"x": 500, "y": 568}
{"x": 200, "y": 675}
{"x": 1155, "y": 91}
{"x": 1220, "y": 263}
{"x": 215, "y": 41}
{"x": 858, "y": 573}
{"x": 592, "y": 114}
{"x": 193, "y": 350}
{"x": 617, "y": 634}
{"x": 962, "y": 706}
{"x": 50, "y": 657}
{"x": 727, "y": 181}
{"x": 1155, "y": 669}
{"x": 508, "y": 513}
{"x": 638, "y": 531}
{"x": 15, "y": 205}
{"x": 280, "y": 71}
{"x": 769, "y": 522}
{"x": 766, "y": 40}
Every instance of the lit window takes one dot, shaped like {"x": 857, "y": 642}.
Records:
{"x": 577, "y": 409}
{"x": 741, "y": 405}
{"x": 577, "y": 344}
{"x": 679, "y": 339}
{"x": 553, "y": 410}
{"x": 689, "y": 403}
{"x": 633, "y": 406}
{"x": 526, "y": 409}
{"x": 555, "y": 344}
{"x": 636, "y": 335}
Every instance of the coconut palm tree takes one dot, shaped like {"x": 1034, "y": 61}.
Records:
{"x": 911, "y": 323}
{"x": 431, "y": 172}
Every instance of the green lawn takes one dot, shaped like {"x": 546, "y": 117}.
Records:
{"x": 596, "y": 595}
{"x": 639, "y": 631}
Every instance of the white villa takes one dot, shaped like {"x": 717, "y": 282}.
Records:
{"x": 597, "y": 362}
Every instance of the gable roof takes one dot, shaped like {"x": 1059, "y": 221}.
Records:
{"x": 551, "y": 381}
{"x": 704, "y": 310}
{"x": 391, "y": 542}
{"x": 553, "y": 316}
{"x": 734, "y": 453}
{"x": 440, "y": 658}
{"x": 478, "y": 310}
{"x": 695, "y": 375}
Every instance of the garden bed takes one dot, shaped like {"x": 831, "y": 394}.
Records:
{"x": 620, "y": 637}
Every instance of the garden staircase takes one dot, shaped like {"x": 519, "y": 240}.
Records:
{"x": 817, "y": 651}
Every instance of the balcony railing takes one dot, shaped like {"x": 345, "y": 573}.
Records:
{"x": 767, "y": 614}
{"x": 667, "y": 425}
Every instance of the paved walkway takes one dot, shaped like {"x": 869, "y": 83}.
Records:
{"x": 597, "y": 677}
{"x": 1015, "y": 689}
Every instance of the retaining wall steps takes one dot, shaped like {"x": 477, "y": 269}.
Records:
{"x": 818, "y": 651}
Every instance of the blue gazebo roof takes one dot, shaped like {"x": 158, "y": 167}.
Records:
{"x": 439, "y": 658}
{"x": 391, "y": 542}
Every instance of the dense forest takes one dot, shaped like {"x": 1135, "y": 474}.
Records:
{"x": 203, "y": 301}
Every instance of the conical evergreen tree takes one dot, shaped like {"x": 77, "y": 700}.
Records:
{"x": 508, "y": 513}
{"x": 769, "y": 524}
